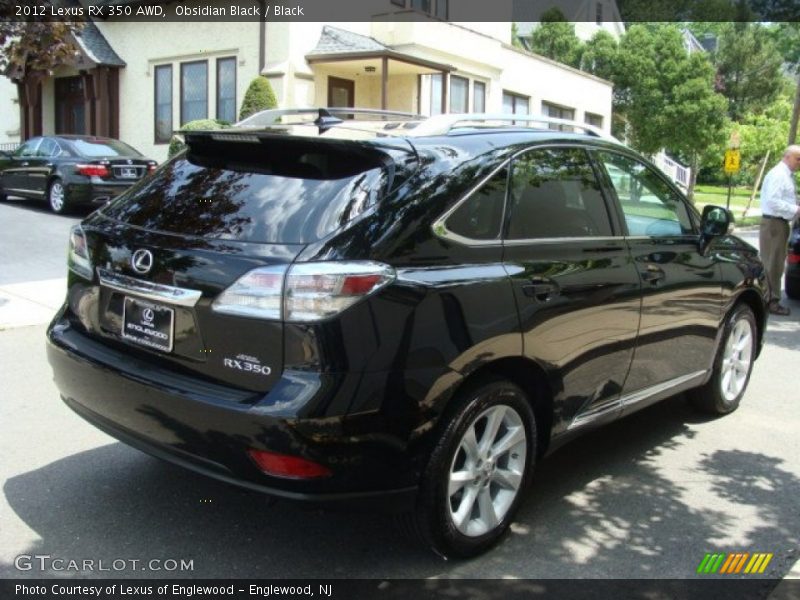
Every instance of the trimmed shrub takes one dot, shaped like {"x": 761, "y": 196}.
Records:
{"x": 176, "y": 143}
{"x": 259, "y": 96}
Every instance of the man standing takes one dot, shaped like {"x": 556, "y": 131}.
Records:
{"x": 778, "y": 209}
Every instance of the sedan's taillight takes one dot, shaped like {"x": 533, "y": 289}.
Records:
{"x": 92, "y": 170}
{"x": 793, "y": 258}
{"x": 304, "y": 292}
{"x": 78, "y": 258}
{"x": 151, "y": 167}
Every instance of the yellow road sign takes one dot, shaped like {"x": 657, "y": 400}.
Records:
{"x": 732, "y": 161}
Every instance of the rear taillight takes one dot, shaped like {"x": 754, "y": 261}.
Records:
{"x": 285, "y": 465}
{"x": 78, "y": 257}
{"x": 151, "y": 167}
{"x": 793, "y": 258}
{"x": 305, "y": 292}
{"x": 92, "y": 170}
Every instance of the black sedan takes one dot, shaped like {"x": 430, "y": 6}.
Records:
{"x": 792, "y": 279}
{"x": 68, "y": 170}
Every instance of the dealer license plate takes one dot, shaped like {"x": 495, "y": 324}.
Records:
{"x": 148, "y": 324}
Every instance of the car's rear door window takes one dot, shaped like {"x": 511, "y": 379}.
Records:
{"x": 480, "y": 216}
{"x": 554, "y": 194}
{"x": 651, "y": 208}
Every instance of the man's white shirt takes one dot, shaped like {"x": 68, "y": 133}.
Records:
{"x": 778, "y": 197}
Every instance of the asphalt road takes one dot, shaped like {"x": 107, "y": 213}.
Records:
{"x": 645, "y": 497}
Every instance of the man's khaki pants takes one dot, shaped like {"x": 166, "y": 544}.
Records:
{"x": 772, "y": 239}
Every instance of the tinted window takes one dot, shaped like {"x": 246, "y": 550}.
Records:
{"x": 479, "y": 217}
{"x": 650, "y": 206}
{"x": 291, "y": 197}
{"x": 28, "y": 148}
{"x": 553, "y": 194}
{"x": 95, "y": 147}
{"x": 48, "y": 147}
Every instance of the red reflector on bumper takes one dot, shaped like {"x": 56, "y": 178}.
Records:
{"x": 283, "y": 465}
{"x": 793, "y": 259}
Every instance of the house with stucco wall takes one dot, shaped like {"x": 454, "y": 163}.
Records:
{"x": 141, "y": 81}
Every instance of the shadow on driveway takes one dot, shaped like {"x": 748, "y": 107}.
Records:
{"x": 603, "y": 506}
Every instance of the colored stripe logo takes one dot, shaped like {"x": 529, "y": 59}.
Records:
{"x": 734, "y": 563}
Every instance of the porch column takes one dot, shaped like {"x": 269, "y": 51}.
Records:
{"x": 101, "y": 102}
{"x": 384, "y": 80}
{"x": 445, "y": 89}
{"x": 30, "y": 102}
{"x": 88, "y": 104}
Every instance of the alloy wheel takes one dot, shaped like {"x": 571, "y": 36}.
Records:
{"x": 56, "y": 196}
{"x": 736, "y": 360}
{"x": 487, "y": 470}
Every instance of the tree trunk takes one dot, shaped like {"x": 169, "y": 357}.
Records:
{"x": 795, "y": 114}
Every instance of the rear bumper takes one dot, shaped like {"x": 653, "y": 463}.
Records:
{"x": 95, "y": 193}
{"x": 208, "y": 429}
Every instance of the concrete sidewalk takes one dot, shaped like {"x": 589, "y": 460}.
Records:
{"x": 31, "y": 302}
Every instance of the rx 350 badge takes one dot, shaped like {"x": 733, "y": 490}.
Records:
{"x": 247, "y": 364}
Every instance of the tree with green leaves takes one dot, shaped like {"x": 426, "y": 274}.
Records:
{"x": 35, "y": 47}
{"x": 555, "y": 38}
{"x": 259, "y": 96}
{"x": 748, "y": 67}
{"x": 787, "y": 40}
{"x": 667, "y": 94}
{"x": 599, "y": 55}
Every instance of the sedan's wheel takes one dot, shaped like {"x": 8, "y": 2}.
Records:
{"x": 478, "y": 471}
{"x": 56, "y": 196}
{"x": 732, "y": 365}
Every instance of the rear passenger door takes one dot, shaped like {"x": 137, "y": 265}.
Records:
{"x": 576, "y": 287}
{"x": 681, "y": 290}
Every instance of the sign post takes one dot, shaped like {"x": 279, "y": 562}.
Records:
{"x": 732, "y": 164}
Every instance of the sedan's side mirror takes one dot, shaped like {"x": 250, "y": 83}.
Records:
{"x": 716, "y": 221}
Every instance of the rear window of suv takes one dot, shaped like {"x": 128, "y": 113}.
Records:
{"x": 283, "y": 193}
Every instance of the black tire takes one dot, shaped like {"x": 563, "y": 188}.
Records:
{"x": 792, "y": 287}
{"x": 733, "y": 365}
{"x": 57, "y": 197}
{"x": 498, "y": 480}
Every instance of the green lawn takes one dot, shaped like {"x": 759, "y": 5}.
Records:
{"x": 718, "y": 195}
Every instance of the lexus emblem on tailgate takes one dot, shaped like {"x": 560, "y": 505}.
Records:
{"x": 142, "y": 261}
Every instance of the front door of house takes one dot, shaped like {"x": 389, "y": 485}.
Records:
{"x": 341, "y": 92}
{"x": 70, "y": 106}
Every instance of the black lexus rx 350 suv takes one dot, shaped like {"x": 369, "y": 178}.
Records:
{"x": 412, "y": 316}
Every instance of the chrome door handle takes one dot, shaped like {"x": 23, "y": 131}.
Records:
{"x": 541, "y": 290}
{"x": 653, "y": 274}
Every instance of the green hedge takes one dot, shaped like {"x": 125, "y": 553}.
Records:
{"x": 259, "y": 96}
{"x": 176, "y": 143}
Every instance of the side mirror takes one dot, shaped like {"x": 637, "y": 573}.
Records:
{"x": 716, "y": 221}
{"x": 4, "y": 154}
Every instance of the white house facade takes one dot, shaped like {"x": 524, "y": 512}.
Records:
{"x": 9, "y": 113}
{"x": 141, "y": 81}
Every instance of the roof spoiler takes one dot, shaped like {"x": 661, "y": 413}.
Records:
{"x": 326, "y": 118}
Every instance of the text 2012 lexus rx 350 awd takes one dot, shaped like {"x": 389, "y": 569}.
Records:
{"x": 398, "y": 311}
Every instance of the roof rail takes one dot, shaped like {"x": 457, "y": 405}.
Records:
{"x": 443, "y": 124}
{"x": 326, "y": 117}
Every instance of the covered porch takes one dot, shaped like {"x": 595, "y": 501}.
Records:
{"x": 351, "y": 70}
{"x": 80, "y": 98}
